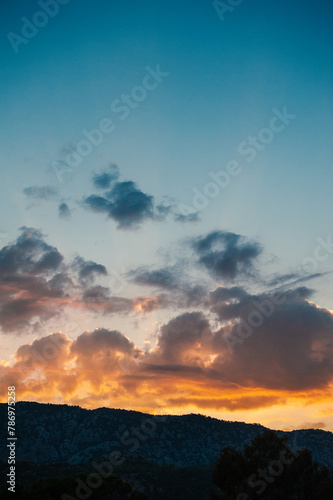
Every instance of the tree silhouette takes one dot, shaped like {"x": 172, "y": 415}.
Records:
{"x": 64, "y": 488}
{"x": 270, "y": 470}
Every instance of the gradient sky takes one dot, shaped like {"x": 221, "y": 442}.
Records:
{"x": 114, "y": 259}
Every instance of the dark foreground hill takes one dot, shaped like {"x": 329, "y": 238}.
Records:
{"x": 58, "y": 434}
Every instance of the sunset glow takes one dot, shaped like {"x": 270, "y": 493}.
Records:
{"x": 166, "y": 197}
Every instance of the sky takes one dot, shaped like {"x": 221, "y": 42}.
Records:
{"x": 165, "y": 242}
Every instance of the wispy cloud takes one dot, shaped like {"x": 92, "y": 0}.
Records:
{"x": 64, "y": 211}
{"x": 41, "y": 192}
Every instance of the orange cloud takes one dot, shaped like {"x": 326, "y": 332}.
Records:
{"x": 104, "y": 368}
{"x": 37, "y": 284}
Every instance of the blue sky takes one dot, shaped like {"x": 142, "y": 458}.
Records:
{"x": 223, "y": 82}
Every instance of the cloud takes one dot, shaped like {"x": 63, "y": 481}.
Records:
{"x": 96, "y": 294}
{"x": 180, "y": 290}
{"x": 106, "y": 341}
{"x": 222, "y": 254}
{"x": 292, "y": 279}
{"x": 88, "y": 270}
{"x": 291, "y": 347}
{"x": 32, "y": 281}
{"x": 313, "y": 425}
{"x": 29, "y": 254}
{"x": 223, "y": 294}
{"x": 220, "y": 403}
{"x": 235, "y": 302}
{"x": 151, "y": 303}
{"x": 183, "y": 341}
{"x": 64, "y": 211}
{"x": 122, "y": 201}
{"x": 56, "y": 366}
{"x": 126, "y": 204}
{"x": 105, "y": 179}
{"x": 288, "y": 351}
{"x": 18, "y": 313}
{"x": 37, "y": 284}
{"x": 226, "y": 255}
{"x": 41, "y": 192}
{"x": 291, "y": 350}
{"x": 51, "y": 349}
{"x": 193, "y": 217}
{"x": 167, "y": 278}
{"x": 289, "y": 355}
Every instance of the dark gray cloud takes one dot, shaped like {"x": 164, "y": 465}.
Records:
{"x": 18, "y": 313}
{"x": 29, "y": 254}
{"x": 167, "y": 278}
{"x": 227, "y": 255}
{"x": 126, "y": 204}
{"x": 280, "y": 339}
{"x": 292, "y": 279}
{"x": 64, "y": 211}
{"x": 30, "y": 271}
{"x": 193, "y": 217}
{"x": 174, "y": 369}
{"x": 36, "y": 283}
{"x": 223, "y": 294}
{"x": 88, "y": 270}
{"x": 106, "y": 303}
{"x": 96, "y": 294}
{"x": 280, "y": 279}
{"x": 182, "y": 291}
{"x": 290, "y": 349}
{"x": 233, "y": 303}
{"x": 180, "y": 339}
{"x": 41, "y": 192}
{"x": 106, "y": 178}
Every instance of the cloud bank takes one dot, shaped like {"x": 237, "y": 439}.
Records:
{"x": 290, "y": 354}
{"x": 282, "y": 342}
